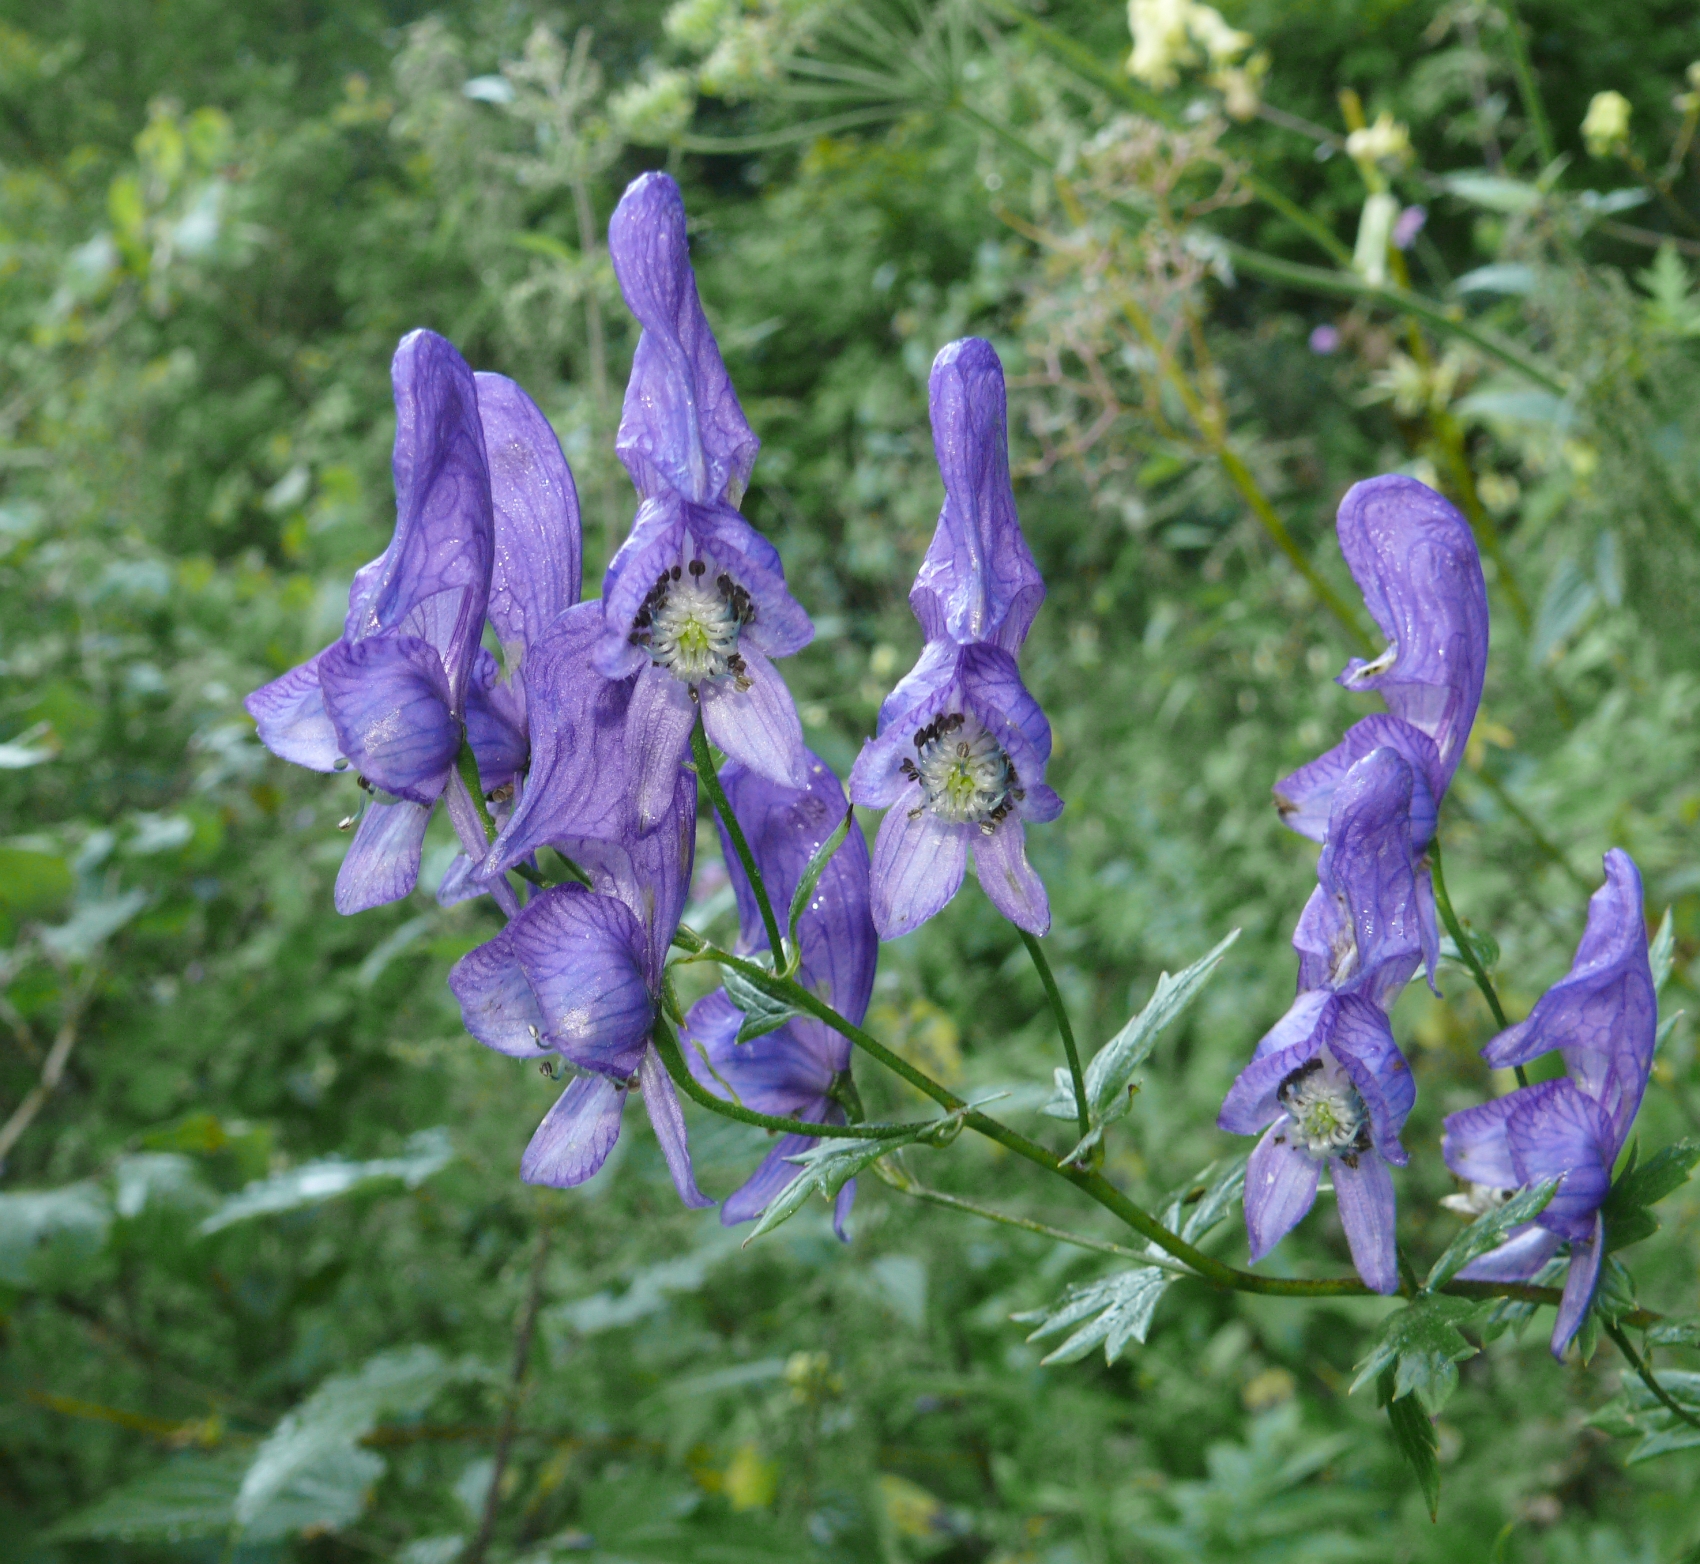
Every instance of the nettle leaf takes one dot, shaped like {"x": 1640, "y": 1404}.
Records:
{"x": 427, "y": 1152}
{"x": 1488, "y": 1232}
{"x": 1675, "y": 1333}
{"x": 1112, "y": 1067}
{"x": 1118, "y": 1308}
{"x": 1413, "y": 1433}
{"x": 188, "y": 1497}
{"x": 827, "y": 1168}
{"x": 1421, "y": 1346}
{"x": 763, "y": 1012}
{"x": 311, "y": 1473}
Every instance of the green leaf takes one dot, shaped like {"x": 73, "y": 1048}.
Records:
{"x": 1661, "y": 952}
{"x": 827, "y": 1168}
{"x": 1488, "y": 1232}
{"x": 1421, "y": 1346}
{"x": 1413, "y": 1433}
{"x": 1484, "y": 947}
{"x": 763, "y": 1012}
{"x": 191, "y": 1496}
{"x": 1118, "y": 1308}
{"x": 1675, "y": 1333}
{"x": 427, "y": 1152}
{"x": 816, "y": 866}
{"x": 1662, "y": 1174}
{"x": 41, "y": 1227}
{"x": 311, "y": 1473}
{"x": 1639, "y": 1411}
{"x": 1112, "y": 1067}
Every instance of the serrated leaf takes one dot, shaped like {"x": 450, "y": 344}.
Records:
{"x": 310, "y": 1473}
{"x": 1614, "y": 1292}
{"x": 827, "y": 1168}
{"x": 1675, "y": 1333}
{"x": 763, "y": 1012}
{"x": 1488, "y": 1232}
{"x": 1661, "y": 952}
{"x": 1413, "y": 1433}
{"x": 812, "y": 872}
{"x": 427, "y": 1152}
{"x": 1649, "y": 1182}
{"x": 1112, "y": 1067}
{"x": 1421, "y": 1346}
{"x": 1118, "y": 1308}
{"x": 191, "y": 1496}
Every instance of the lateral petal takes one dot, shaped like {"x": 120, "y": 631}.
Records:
{"x": 918, "y": 866}
{"x": 382, "y": 862}
{"x": 668, "y": 1119}
{"x": 294, "y": 725}
{"x": 576, "y": 1135}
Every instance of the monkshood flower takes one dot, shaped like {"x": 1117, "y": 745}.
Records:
{"x": 1327, "y": 1084}
{"x": 1603, "y": 1019}
{"x": 389, "y": 696}
{"x": 578, "y": 973}
{"x": 790, "y": 1072}
{"x": 959, "y": 758}
{"x": 1415, "y": 561}
{"x": 695, "y": 602}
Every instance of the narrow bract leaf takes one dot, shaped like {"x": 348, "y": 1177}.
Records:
{"x": 1661, "y": 952}
{"x": 1413, "y": 1433}
{"x": 827, "y": 1169}
{"x": 427, "y": 1152}
{"x": 1112, "y": 1067}
{"x": 812, "y": 872}
{"x": 1489, "y": 1232}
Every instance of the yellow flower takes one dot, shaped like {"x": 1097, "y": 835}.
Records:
{"x": 1606, "y": 126}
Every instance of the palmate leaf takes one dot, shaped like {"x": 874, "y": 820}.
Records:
{"x": 1488, "y": 1232}
{"x": 827, "y": 1168}
{"x": 1421, "y": 1347}
{"x": 1640, "y": 1186}
{"x": 1637, "y": 1411}
{"x": 1118, "y": 1308}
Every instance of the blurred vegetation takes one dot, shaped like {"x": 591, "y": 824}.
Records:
{"x": 264, "y": 1253}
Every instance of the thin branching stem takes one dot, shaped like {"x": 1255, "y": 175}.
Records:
{"x": 1648, "y": 1378}
{"x": 704, "y": 758}
{"x": 1064, "y": 1030}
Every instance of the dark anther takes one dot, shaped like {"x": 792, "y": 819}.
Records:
{"x": 697, "y": 567}
{"x": 1297, "y": 1078}
{"x": 962, "y": 749}
{"x": 1350, "y": 1158}
{"x": 921, "y": 739}
{"x": 675, "y": 572}
{"x": 364, "y": 786}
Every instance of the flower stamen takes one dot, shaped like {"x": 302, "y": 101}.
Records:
{"x": 691, "y": 627}
{"x": 964, "y": 774}
{"x": 1328, "y": 1116}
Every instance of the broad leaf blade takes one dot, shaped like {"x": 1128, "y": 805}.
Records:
{"x": 1489, "y": 1232}
{"x": 191, "y": 1496}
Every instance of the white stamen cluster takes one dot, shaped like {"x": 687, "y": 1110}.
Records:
{"x": 964, "y": 774}
{"x": 1328, "y": 1116}
{"x": 1477, "y": 1200}
{"x": 690, "y": 626}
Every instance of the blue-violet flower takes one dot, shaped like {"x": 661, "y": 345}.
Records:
{"x": 1603, "y": 1019}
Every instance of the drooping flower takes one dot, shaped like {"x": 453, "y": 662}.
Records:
{"x": 793, "y": 1071}
{"x": 578, "y": 974}
{"x": 960, "y": 755}
{"x": 1415, "y": 561}
{"x": 389, "y": 696}
{"x": 695, "y": 601}
{"x": 1327, "y": 1084}
{"x": 1603, "y": 1019}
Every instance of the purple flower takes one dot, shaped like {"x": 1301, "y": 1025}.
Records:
{"x": 1325, "y": 340}
{"x": 978, "y": 581}
{"x": 535, "y": 571}
{"x": 695, "y": 602}
{"x": 960, "y": 755}
{"x": 1408, "y": 225}
{"x": 389, "y": 696}
{"x": 792, "y": 1071}
{"x": 1327, "y": 1083}
{"x": 578, "y": 974}
{"x": 1415, "y": 561}
{"x": 1602, "y": 1018}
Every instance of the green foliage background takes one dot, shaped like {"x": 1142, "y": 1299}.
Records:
{"x": 215, "y": 222}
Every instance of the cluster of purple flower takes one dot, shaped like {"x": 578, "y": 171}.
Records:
{"x": 1327, "y": 1085}
{"x": 577, "y": 735}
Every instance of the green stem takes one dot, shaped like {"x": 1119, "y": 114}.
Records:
{"x": 717, "y": 796}
{"x": 467, "y": 764}
{"x": 1648, "y": 1378}
{"x": 1064, "y": 1030}
{"x": 1524, "y": 72}
{"x": 1465, "y": 949}
{"x": 899, "y": 1179}
{"x": 667, "y": 1046}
